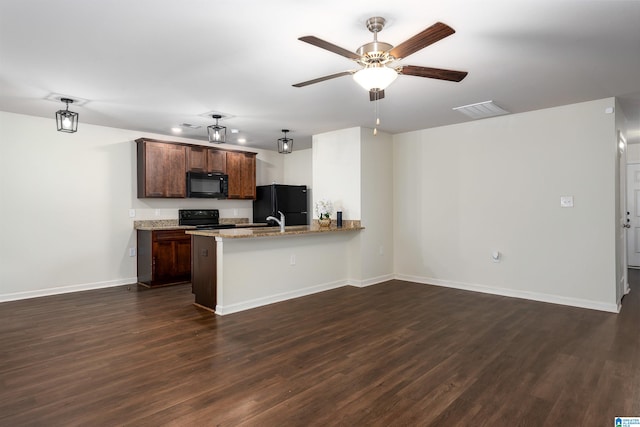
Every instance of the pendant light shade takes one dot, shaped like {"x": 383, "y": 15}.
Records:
{"x": 67, "y": 121}
{"x": 285, "y": 145}
{"x": 375, "y": 77}
{"x": 217, "y": 133}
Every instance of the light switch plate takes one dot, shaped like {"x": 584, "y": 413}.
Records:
{"x": 566, "y": 201}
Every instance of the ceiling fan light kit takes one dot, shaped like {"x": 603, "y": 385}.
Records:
{"x": 375, "y": 78}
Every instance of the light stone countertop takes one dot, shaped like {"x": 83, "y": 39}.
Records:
{"x": 243, "y": 233}
{"x": 172, "y": 224}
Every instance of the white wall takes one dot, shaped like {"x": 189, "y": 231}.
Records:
{"x": 65, "y": 200}
{"x": 354, "y": 169}
{"x": 376, "y": 240}
{"x": 298, "y": 167}
{"x": 464, "y": 191}
{"x": 336, "y": 171}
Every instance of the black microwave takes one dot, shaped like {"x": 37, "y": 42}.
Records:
{"x": 207, "y": 185}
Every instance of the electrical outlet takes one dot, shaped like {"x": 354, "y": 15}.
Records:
{"x": 132, "y": 251}
{"x": 235, "y": 212}
{"x": 157, "y": 212}
{"x": 566, "y": 201}
{"x": 132, "y": 213}
{"x": 292, "y": 260}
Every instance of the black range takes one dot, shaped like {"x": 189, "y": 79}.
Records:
{"x": 203, "y": 219}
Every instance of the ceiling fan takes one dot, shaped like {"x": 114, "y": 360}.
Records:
{"x": 378, "y": 58}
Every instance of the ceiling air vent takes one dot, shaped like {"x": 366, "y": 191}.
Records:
{"x": 481, "y": 110}
{"x": 190, "y": 126}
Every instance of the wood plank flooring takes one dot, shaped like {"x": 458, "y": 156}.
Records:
{"x": 393, "y": 354}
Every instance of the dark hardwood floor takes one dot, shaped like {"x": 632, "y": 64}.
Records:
{"x": 394, "y": 354}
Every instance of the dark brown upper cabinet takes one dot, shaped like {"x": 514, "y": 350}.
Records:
{"x": 161, "y": 169}
{"x": 205, "y": 159}
{"x": 217, "y": 160}
{"x": 241, "y": 168}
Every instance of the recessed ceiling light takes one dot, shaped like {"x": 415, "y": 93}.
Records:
{"x": 234, "y": 131}
{"x": 176, "y": 129}
{"x": 241, "y": 140}
{"x": 481, "y": 110}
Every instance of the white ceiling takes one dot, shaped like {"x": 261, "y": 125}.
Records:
{"x": 149, "y": 65}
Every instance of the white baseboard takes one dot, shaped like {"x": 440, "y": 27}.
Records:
{"x": 66, "y": 289}
{"x": 246, "y": 305}
{"x": 534, "y": 296}
{"x": 259, "y": 302}
{"x": 372, "y": 281}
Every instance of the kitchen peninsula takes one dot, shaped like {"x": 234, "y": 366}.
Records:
{"x": 238, "y": 269}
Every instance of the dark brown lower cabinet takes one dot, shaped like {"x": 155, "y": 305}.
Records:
{"x": 164, "y": 257}
{"x": 203, "y": 271}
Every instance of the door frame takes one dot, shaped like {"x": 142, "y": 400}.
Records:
{"x": 624, "y": 205}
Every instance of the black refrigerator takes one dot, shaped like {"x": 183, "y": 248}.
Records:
{"x": 291, "y": 200}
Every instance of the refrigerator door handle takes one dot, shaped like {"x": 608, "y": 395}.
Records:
{"x": 274, "y": 200}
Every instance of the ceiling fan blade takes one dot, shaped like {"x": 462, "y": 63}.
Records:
{"x": 330, "y": 47}
{"x": 434, "y": 33}
{"x": 321, "y": 79}
{"x": 375, "y": 95}
{"x": 433, "y": 73}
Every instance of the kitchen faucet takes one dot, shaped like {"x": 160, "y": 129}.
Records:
{"x": 280, "y": 221}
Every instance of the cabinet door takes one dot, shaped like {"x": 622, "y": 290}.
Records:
{"x": 175, "y": 173}
{"x": 161, "y": 169}
{"x": 183, "y": 258}
{"x": 248, "y": 173}
{"x": 154, "y": 162}
{"x": 197, "y": 159}
{"x": 241, "y": 168}
{"x": 163, "y": 261}
{"x": 235, "y": 177}
{"x": 171, "y": 257}
{"x": 217, "y": 161}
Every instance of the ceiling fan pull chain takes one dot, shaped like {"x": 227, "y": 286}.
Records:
{"x": 375, "y": 129}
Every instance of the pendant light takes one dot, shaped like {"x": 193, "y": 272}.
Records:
{"x": 67, "y": 121}
{"x": 217, "y": 133}
{"x": 285, "y": 145}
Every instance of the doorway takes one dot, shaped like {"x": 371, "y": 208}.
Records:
{"x": 633, "y": 207}
{"x": 624, "y": 221}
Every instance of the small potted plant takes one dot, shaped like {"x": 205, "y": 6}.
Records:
{"x": 324, "y": 209}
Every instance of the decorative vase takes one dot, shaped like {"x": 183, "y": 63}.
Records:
{"x": 324, "y": 222}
